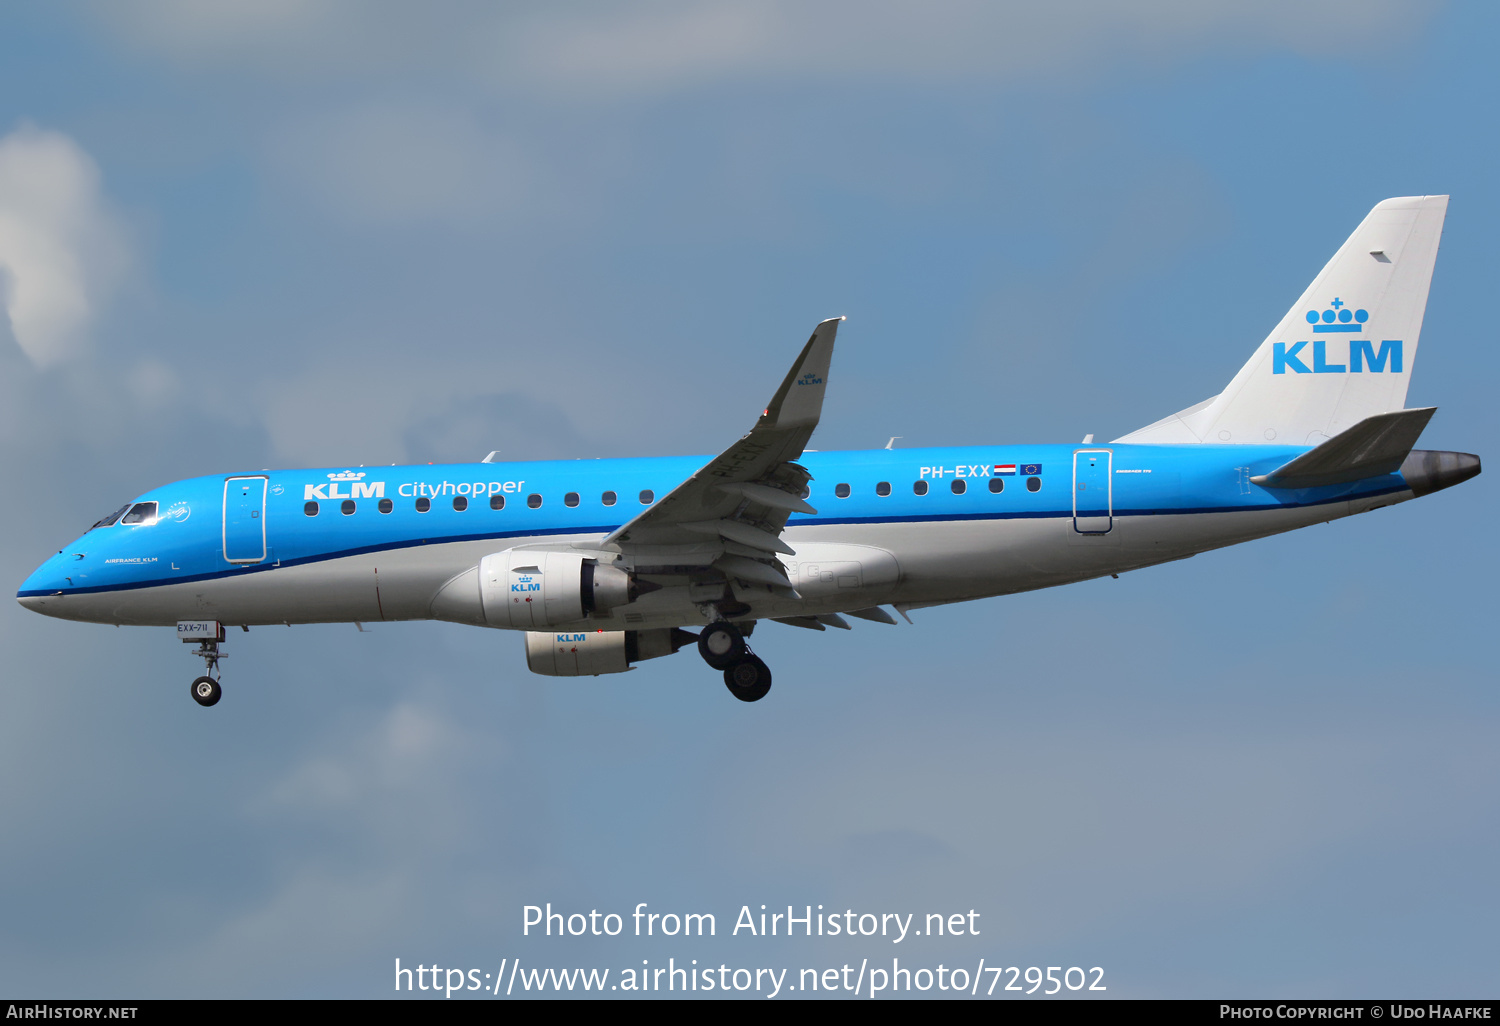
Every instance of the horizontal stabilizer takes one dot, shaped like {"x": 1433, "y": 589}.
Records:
{"x": 1374, "y": 447}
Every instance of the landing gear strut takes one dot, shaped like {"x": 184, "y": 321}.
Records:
{"x": 723, "y": 647}
{"x": 208, "y": 634}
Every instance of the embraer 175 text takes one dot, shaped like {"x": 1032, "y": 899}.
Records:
{"x": 601, "y": 563}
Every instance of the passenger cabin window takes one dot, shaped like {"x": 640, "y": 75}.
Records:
{"x": 841, "y": 490}
{"x": 424, "y": 504}
{"x": 919, "y": 487}
{"x": 534, "y": 501}
{"x": 959, "y": 486}
{"x": 571, "y": 499}
{"x": 1033, "y": 484}
{"x": 347, "y": 507}
{"x": 647, "y": 497}
{"x": 609, "y": 498}
{"x": 883, "y": 488}
{"x": 497, "y": 502}
{"x": 997, "y": 485}
{"x": 140, "y": 513}
{"x": 310, "y": 508}
{"x": 386, "y": 505}
{"x": 460, "y": 503}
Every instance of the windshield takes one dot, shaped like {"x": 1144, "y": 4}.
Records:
{"x": 140, "y": 513}
{"x": 109, "y": 520}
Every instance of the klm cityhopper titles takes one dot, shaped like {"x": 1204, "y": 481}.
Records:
{"x": 602, "y": 563}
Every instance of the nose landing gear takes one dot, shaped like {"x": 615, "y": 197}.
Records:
{"x": 208, "y": 634}
{"x": 206, "y": 691}
{"x": 723, "y": 647}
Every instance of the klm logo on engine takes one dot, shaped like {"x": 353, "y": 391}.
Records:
{"x": 1359, "y": 356}
{"x": 358, "y": 487}
{"x": 526, "y": 583}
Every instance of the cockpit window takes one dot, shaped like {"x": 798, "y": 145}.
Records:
{"x": 140, "y": 513}
{"x": 109, "y": 520}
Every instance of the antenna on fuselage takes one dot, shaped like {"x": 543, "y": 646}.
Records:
{"x": 892, "y": 443}
{"x": 491, "y": 457}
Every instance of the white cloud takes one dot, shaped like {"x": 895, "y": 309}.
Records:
{"x": 61, "y": 249}
{"x": 417, "y": 157}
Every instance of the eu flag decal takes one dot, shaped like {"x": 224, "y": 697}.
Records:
{"x": 1030, "y": 469}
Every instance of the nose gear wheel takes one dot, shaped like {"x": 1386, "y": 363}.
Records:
{"x": 206, "y": 691}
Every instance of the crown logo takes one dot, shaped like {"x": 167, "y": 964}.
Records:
{"x": 346, "y": 475}
{"x": 1338, "y": 318}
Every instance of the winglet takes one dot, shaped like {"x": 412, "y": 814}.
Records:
{"x": 799, "y": 400}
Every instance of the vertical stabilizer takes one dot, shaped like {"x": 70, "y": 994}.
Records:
{"x": 1342, "y": 353}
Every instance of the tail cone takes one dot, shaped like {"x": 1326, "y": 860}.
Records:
{"x": 1427, "y": 470}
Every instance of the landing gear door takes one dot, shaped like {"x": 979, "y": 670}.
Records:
{"x": 245, "y": 519}
{"x": 1093, "y": 506}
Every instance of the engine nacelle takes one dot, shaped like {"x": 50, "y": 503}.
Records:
{"x": 537, "y": 588}
{"x": 590, "y": 653}
{"x": 530, "y": 588}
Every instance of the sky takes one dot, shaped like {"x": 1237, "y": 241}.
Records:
{"x": 283, "y": 233}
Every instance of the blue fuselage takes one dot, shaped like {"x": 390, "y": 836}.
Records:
{"x": 216, "y": 533}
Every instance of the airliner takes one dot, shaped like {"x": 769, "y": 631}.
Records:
{"x": 603, "y": 564}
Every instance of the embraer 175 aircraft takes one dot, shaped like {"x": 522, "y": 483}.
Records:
{"x": 601, "y": 563}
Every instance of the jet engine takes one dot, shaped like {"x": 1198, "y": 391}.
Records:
{"x": 530, "y": 588}
{"x": 590, "y": 653}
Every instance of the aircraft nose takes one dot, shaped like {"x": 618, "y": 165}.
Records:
{"x": 39, "y": 592}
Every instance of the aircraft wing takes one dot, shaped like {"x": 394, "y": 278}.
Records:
{"x": 730, "y": 514}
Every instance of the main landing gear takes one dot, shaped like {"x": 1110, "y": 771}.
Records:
{"x": 723, "y": 647}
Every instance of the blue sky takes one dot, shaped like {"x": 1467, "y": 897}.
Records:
{"x": 240, "y": 235}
